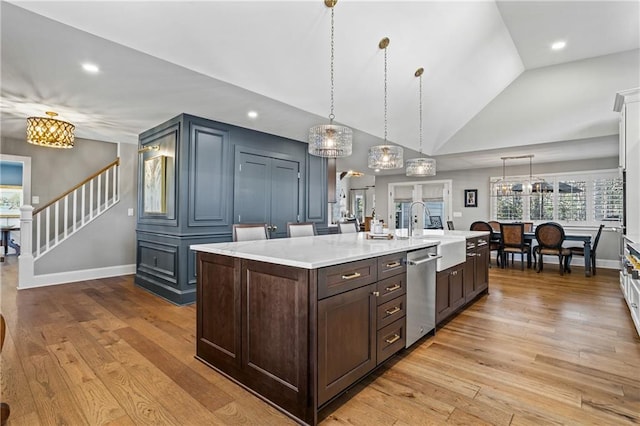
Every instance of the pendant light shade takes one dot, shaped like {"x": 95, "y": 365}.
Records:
{"x": 330, "y": 140}
{"x": 385, "y": 157}
{"x": 50, "y": 132}
{"x": 421, "y": 167}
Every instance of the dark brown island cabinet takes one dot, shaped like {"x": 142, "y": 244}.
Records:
{"x": 299, "y": 337}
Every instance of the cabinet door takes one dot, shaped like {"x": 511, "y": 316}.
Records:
{"x": 470, "y": 283}
{"x": 346, "y": 340}
{"x": 456, "y": 287}
{"x": 443, "y": 305}
{"x": 218, "y": 311}
{"x": 482, "y": 269}
{"x": 267, "y": 190}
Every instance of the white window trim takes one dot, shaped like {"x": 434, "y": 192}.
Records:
{"x": 417, "y": 196}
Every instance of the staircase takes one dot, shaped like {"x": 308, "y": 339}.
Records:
{"x": 45, "y": 228}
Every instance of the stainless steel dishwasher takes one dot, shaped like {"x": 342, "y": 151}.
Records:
{"x": 421, "y": 293}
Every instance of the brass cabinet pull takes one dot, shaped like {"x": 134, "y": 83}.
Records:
{"x": 393, "y": 287}
{"x": 351, "y": 276}
{"x": 393, "y": 311}
{"x": 393, "y": 264}
{"x": 470, "y": 254}
{"x": 395, "y": 338}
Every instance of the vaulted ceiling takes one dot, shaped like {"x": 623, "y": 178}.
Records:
{"x": 492, "y": 85}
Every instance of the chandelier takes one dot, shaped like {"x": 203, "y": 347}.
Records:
{"x": 330, "y": 140}
{"x": 48, "y": 131}
{"x": 516, "y": 186}
{"x": 385, "y": 156}
{"x": 423, "y": 166}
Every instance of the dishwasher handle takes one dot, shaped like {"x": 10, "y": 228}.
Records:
{"x": 424, "y": 260}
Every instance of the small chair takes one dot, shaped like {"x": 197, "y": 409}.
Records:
{"x": 347, "y": 227}
{"x": 528, "y": 226}
{"x": 450, "y": 225}
{"x": 436, "y": 222}
{"x": 580, "y": 250}
{"x": 301, "y": 229}
{"x": 513, "y": 242}
{"x": 4, "y": 407}
{"x": 495, "y": 225}
{"x": 494, "y": 243}
{"x": 550, "y": 237}
{"x": 250, "y": 231}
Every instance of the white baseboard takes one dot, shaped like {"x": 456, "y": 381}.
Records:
{"x": 73, "y": 276}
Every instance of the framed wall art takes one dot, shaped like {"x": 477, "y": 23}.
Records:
{"x": 471, "y": 198}
{"x": 154, "y": 187}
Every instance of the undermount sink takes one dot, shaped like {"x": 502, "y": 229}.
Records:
{"x": 453, "y": 252}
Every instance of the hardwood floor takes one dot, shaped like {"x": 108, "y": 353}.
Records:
{"x": 539, "y": 349}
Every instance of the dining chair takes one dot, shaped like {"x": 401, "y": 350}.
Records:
{"x": 513, "y": 242}
{"x": 347, "y": 227}
{"x": 450, "y": 226}
{"x": 528, "y": 226}
{"x": 436, "y": 222}
{"x": 550, "y": 237}
{"x": 250, "y": 231}
{"x": 494, "y": 243}
{"x": 495, "y": 225}
{"x": 579, "y": 251}
{"x": 301, "y": 229}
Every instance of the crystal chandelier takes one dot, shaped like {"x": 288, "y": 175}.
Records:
{"x": 330, "y": 140}
{"x": 385, "y": 156}
{"x": 48, "y": 131}
{"x": 514, "y": 186}
{"x": 422, "y": 166}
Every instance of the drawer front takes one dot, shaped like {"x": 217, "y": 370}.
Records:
{"x": 392, "y": 264}
{"x": 391, "y": 339}
{"x": 340, "y": 278}
{"x": 391, "y": 311}
{"x": 482, "y": 241}
{"x": 471, "y": 244}
{"x": 391, "y": 288}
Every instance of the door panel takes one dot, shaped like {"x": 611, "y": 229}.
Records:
{"x": 284, "y": 195}
{"x": 252, "y": 202}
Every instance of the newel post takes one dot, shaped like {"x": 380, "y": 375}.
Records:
{"x": 25, "y": 260}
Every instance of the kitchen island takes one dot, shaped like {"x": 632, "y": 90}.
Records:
{"x": 299, "y": 320}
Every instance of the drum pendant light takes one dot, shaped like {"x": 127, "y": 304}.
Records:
{"x": 330, "y": 140}
{"x": 423, "y": 166}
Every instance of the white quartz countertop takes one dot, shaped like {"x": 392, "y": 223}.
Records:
{"x": 322, "y": 250}
{"x": 315, "y": 252}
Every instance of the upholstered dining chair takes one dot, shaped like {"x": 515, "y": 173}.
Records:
{"x": 550, "y": 237}
{"x": 250, "y": 231}
{"x": 494, "y": 243}
{"x": 301, "y": 229}
{"x": 513, "y": 242}
{"x": 580, "y": 250}
{"x": 495, "y": 225}
{"x": 347, "y": 227}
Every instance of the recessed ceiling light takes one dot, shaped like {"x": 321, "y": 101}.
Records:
{"x": 558, "y": 45}
{"x": 252, "y": 114}
{"x": 92, "y": 68}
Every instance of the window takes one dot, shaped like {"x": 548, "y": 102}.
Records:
{"x": 435, "y": 195}
{"x": 584, "y": 198}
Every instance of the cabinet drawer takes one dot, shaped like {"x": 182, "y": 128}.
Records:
{"x": 392, "y": 264}
{"x": 391, "y": 288}
{"x": 392, "y": 311}
{"x": 471, "y": 244}
{"x": 340, "y": 278}
{"x": 391, "y": 339}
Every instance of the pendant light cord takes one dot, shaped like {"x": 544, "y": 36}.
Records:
{"x": 331, "y": 115}
{"x": 385, "y": 95}
{"x": 420, "y": 77}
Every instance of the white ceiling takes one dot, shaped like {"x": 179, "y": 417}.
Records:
{"x": 220, "y": 59}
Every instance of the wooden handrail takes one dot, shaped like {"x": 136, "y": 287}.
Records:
{"x": 116, "y": 162}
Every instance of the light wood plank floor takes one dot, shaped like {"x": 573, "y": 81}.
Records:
{"x": 539, "y": 349}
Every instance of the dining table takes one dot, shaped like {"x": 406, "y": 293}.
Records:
{"x": 585, "y": 238}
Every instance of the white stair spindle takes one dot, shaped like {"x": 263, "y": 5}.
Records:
{"x": 99, "y": 189}
{"x": 116, "y": 192}
{"x": 65, "y": 218}
{"x": 38, "y": 237}
{"x": 57, "y": 219}
{"x": 106, "y": 188}
{"x": 75, "y": 209}
{"x": 84, "y": 201}
{"x": 47, "y": 229}
{"x": 91, "y": 200}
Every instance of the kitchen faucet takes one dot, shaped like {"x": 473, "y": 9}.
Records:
{"x": 424, "y": 207}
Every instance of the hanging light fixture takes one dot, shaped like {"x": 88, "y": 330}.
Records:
{"x": 385, "y": 157}
{"x": 330, "y": 140}
{"x": 532, "y": 184}
{"x": 423, "y": 166}
{"x": 48, "y": 131}
{"x": 503, "y": 187}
